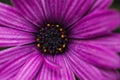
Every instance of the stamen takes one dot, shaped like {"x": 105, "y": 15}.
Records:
{"x": 62, "y": 36}
{"x": 48, "y": 25}
{"x": 61, "y": 29}
{"x": 38, "y": 45}
{"x": 57, "y": 26}
{"x": 63, "y": 45}
{"x": 38, "y": 39}
{"x": 45, "y": 50}
{"x": 52, "y": 39}
{"x": 60, "y": 49}
{"x": 52, "y": 25}
{"x": 66, "y": 39}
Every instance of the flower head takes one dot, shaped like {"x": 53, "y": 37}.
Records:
{"x": 58, "y": 39}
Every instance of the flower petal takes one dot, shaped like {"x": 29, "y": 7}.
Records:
{"x": 96, "y": 24}
{"x": 63, "y": 73}
{"x": 96, "y": 54}
{"x": 13, "y": 37}
{"x": 100, "y": 4}
{"x": 73, "y": 13}
{"x": 30, "y": 68}
{"x": 51, "y": 64}
{"x": 83, "y": 70}
{"x": 111, "y": 41}
{"x": 44, "y": 73}
{"x": 84, "y": 7}
{"x": 12, "y": 68}
{"x": 14, "y": 52}
{"x": 54, "y": 10}
{"x": 31, "y": 10}
{"x": 11, "y": 60}
{"x": 111, "y": 75}
{"x": 11, "y": 17}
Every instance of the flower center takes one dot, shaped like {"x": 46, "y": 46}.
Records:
{"x": 52, "y": 39}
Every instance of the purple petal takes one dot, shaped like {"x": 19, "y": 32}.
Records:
{"x": 14, "y": 52}
{"x": 11, "y": 60}
{"x": 111, "y": 75}
{"x": 53, "y": 10}
{"x": 13, "y": 37}
{"x": 30, "y": 68}
{"x": 75, "y": 10}
{"x": 11, "y": 17}
{"x": 84, "y": 7}
{"x": 51, "y": 64}
{"x": 83, "y": 70}
{"x": 63, "y": 73}
{"x": 96, "y": 24}
{"x": 44, "y": 73}
{"x": 111, "y": 41}
{"x": 96, "y": 54}
{"x": 47, "y": 73}
{"x": 100, "y": 4}
{"x": 12, "y": 68}
{"x": 31, "y": 10}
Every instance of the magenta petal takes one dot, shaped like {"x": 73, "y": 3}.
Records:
{"x": 13, "y": 37}
{"x": 11, "y": 60}
{"x": 96, "y": 54}
{"x": 111, "y": 75}
{"x": 10, "y": 17}
{"x": 111, "y": 41}
{"x": 30, "y": 68}
{"x": 100, "y": 4}
{"x": 63, "y": 73}
{"x": 15, "y": 52}
{"x": 43, "y": 74}
{"x": 96, "y": 24}
{"x": 84, "y": 7}
{"x": 46, "y": 72}
{"x": 31, "y": 10}
{"x": 12, "y": 67}
{"x": 51, "y": 64}
{"x": 83, "y": 70}
{"x": 75, "y": 10}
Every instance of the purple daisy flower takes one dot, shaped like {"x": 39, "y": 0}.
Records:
{"x": 58, "y": 40}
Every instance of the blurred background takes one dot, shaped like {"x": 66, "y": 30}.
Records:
{"x": 116, "y": 4}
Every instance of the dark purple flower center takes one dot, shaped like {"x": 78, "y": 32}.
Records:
{"x": 52, "y": 39}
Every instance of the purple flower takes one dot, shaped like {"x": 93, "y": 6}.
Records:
{"x": 58, "y": 40}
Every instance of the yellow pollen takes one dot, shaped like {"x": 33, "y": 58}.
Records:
{"x": 66, "y": 39}
{"x": 38, "y": 45}
{"x": 38, "y": 39}
{"x": 50, "y": 51}
{"x": 61, "y": 29}
{"x": 63, "y": 45}
{"x": 45, "y": 50}
{"x": 48, "y": 25}
{"x": 60, "y": 49}
{"x": 57, "y": 25}
{"x": 43, "y": 47}
{"x": 62, "y": 36}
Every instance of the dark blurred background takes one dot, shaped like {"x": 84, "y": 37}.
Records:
{"x": 116, "y": 4}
